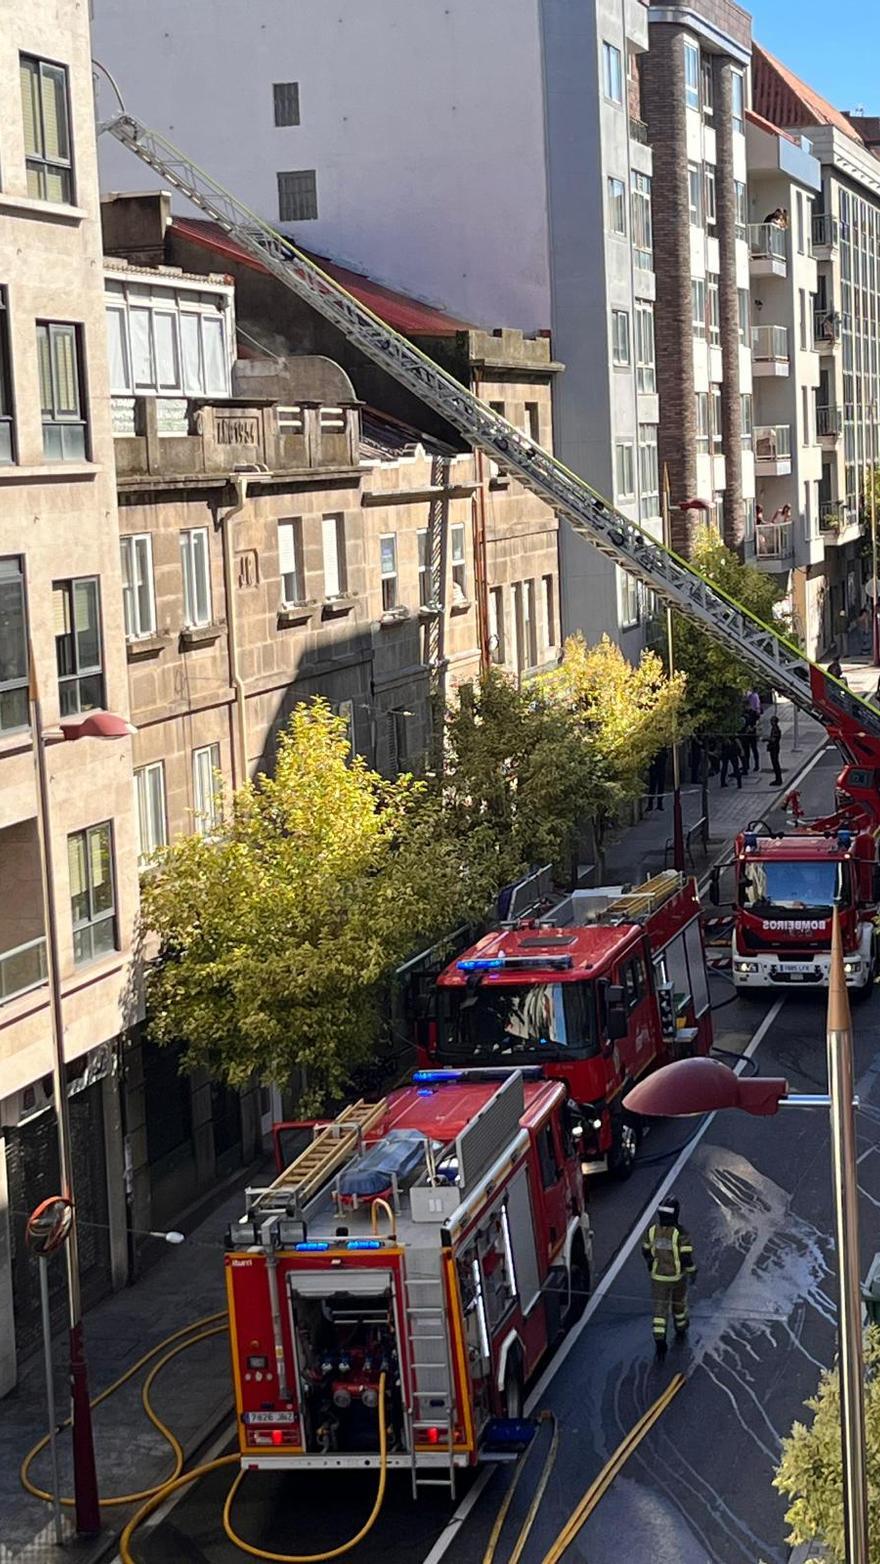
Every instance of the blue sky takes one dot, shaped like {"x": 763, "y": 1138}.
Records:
{"x": 835, "y": 47}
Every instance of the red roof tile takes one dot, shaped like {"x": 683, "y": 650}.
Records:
{"x": 398, "y": 310}
{"x": 766, "y": 124}
{"x": 784, "y": 99}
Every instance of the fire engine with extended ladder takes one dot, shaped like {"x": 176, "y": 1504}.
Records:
{"x": 408, "y": 1271}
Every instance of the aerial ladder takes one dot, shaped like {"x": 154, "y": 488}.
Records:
{"x": 852, "y": 724}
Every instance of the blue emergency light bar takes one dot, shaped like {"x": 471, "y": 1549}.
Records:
{"x": 425, "y": 1077}
{"x": 364, "y": 1243}
{"x": 482, "y": 964}
{"x": 311, "y": 1246}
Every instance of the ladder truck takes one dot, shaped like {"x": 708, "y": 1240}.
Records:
{"x": 851, "y": 723}
{"x": 394, "y": 1289}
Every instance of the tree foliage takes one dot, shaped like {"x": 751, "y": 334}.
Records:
{"x": 717, "y": 680}
{"x": 276, "y": 934}
{"x": 810, "y": 1472}
{"x": 626, "y": 712}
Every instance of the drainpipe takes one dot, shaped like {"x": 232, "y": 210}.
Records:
{"x": 239, "y": 745}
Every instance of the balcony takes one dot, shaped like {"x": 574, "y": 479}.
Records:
{"x": 838, "y": 523}
{"x": 826, "y": 234}
{"x": 188, "y": 438}
{"x": 768, "y": 250}
{"x": 827, "y": 328}
{"x": 772, "y": 450}
{"x": 774, "y": 545}
{"x": 638, "y": 131}
{"x": 770, "y": 355}
{"x": 829, "y": 425}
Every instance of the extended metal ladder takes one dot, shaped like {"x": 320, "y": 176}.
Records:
{"x": 637, "y": 552}
{"x": 432, "y": 1401}
{"x": 330, "y": 1149}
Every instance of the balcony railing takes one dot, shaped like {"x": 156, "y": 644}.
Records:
{"x": 772, "y": 442}
{"x": 826, "y": 231}
{"x": 638, "y": 130}
{"x": 829, "y": 422}
{"x": 835, "y": 516}
{"x": 22, "y": 968}
{"x": 770, "y": 343}
{"x": 827, "y": 326}
{"x": 767, "y": 241}
{"x": 773, "y": 540}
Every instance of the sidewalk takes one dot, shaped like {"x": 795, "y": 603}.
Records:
{"x": 640, "y": 850}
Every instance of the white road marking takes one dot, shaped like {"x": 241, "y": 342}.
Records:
{"x": 453, "y": 1527}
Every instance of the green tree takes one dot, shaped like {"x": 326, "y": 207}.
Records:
{"x": 275, "y": 936}
{"x": 717, "y": 679}
{"x": 810, "y": 1472}
{"x": 520, "y": 769}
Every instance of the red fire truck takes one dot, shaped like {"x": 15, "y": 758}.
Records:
{"x": 786, "y": 889}
{"x": 598, "y": 989}
{"x": 419, "y": 1258}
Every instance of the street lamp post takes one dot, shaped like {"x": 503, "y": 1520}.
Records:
{"x": 103, "y": 725}
{"x": 872, "y": 503}
{"x": 696, "y": 1086}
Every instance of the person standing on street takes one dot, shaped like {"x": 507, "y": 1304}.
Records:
{"x": 754, "y": 702}
{"x": 731, "y": 759}
{"x": 773, "y": 743}
{"x": 749, "y": 740}
{"x": 669, "y": 1256}
{"x": 657, "y": 779}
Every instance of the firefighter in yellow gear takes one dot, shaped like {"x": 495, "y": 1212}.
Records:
{"x": 669, "y": 1256}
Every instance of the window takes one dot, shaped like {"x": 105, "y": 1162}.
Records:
{"x": 138, "y": 597}
{"x": 624, "y": 470}
{"x": 549, "y": 612}
{"x": 532, "y": 422}
{"x": 333, "y": 547}
{"x": 64, "y": 429}
{"x": 747, "y": 420}
{"x": 633, "y": 982}
{"x": 698, "y": 306}
{"x": 524, "y": 624}
{"x": 616, "y": 206}
{"x": 206, "y": 789}
{"x": 195, "y": 560}
{"x": 612, "y": 71}
{"x": 649, "y": 473}
{"x": 646, "y": 355}
{"x": 628, "y": 601}
{"x": 290, "y": 561}
{"x": 497, "y": 648}
{"x": 691, "y": 75}
{"x": 149, "y": 792}
{"x": 13, "y": 647}
{"x": 459, "y": 565}
{"x": 44, "y": 103}
{"x": 748, "y": 520}
{"x": 642, "y": 227}
{"x": 713, "y": 292}
{"x": 715, "y": 427}
{"x": 76, "y": 607}
{"x": 703, "y": 422}
{"x": 7, "y": 453}
{"x": 177, "y": 347}
{"x": 738, "y": 101}
{"x": 425, "y": 593}
{"x": 744, "y": 309}
{"x": 708, "y": 85}
{"x": 709, "y": 196}
{"x": 717, "y": 513}
{"x": 285, "y": 96}
{"x": 620, "y": 349}
{"x": 695, "y": 194}
{"x": 799, "y": 216}
{"x": 802, "y": 318}
{"x": 297, "y": 195}
{"x": 388, "y": 570}
{"x": 806, "y": 399}
{"x": 741, "y": 207}
{"x": 499, "y": 408}
{"x": 398, "y": 739}
{"x": 92, "y": 902}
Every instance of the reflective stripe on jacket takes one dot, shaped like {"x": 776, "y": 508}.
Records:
{"x": 669, "y": 1252}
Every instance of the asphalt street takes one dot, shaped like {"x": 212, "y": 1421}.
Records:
{"x": 756, "y": 1196}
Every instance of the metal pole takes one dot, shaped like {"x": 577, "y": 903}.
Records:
{"x": 872, "y": 501}
{"x": 50, "y": 1396}
{"x": 795, "y": 735}
{"x": 677, "y": 822}
{"x": 846, "y": 1211}
{"x": 85, "y": 1478}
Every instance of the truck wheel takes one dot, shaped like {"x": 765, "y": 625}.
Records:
{"x": 514, "y": 1398}
{"x": 579, "y": 1281}
{"x": 865, "y": 989}
{"x": 624, "y": 1145}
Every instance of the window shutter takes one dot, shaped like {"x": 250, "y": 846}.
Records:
{"x": 120, "y": 380}
{"x": 53, "y": 83}
{"x": 30, "y": 105}
{"x": 165, "y": 337}
{"x": 190, "y": 347}
{"x": 45, "y": 365}
{"x": 142, "y": 349}
{"x": 63, "y": 339}
{"x": 214, "y": 344}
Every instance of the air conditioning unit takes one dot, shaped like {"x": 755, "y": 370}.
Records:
{"x": 26, "y": 1104}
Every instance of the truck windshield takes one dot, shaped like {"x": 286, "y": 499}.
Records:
{"x": 518, "y": 1022}
{"x": 780, "y": 888}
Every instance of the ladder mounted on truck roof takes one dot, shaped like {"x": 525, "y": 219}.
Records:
{"x": 636, "y": 905}
{"x": 330, "y": 1149}
{"x": 851, "y": 722}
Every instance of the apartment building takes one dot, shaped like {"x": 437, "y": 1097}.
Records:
{"x": 291, "y": 525}
{"x": 846, "y": 311}
{"x": 784, "y": 180}
{"x": 509, "y": 179}
{"x": 695, "y": 95}
{"x": 61, "y": 621}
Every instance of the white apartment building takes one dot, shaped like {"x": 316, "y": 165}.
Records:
{"x": 488, "y": 157}
{"x": 785, "y": 178}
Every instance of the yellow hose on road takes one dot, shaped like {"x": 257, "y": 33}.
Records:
{"x": 209, "y": 1326}
{"x": 528, "y": 1523}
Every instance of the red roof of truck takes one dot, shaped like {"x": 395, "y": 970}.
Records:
{"x": 801, "y": 847}
{"x": 442, "y": 1109}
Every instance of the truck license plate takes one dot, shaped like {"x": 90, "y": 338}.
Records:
{"x": 796, "y": 969}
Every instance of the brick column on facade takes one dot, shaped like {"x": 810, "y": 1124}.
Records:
{"x": 663, "y": 104}
{"x": 731, "y": 403}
